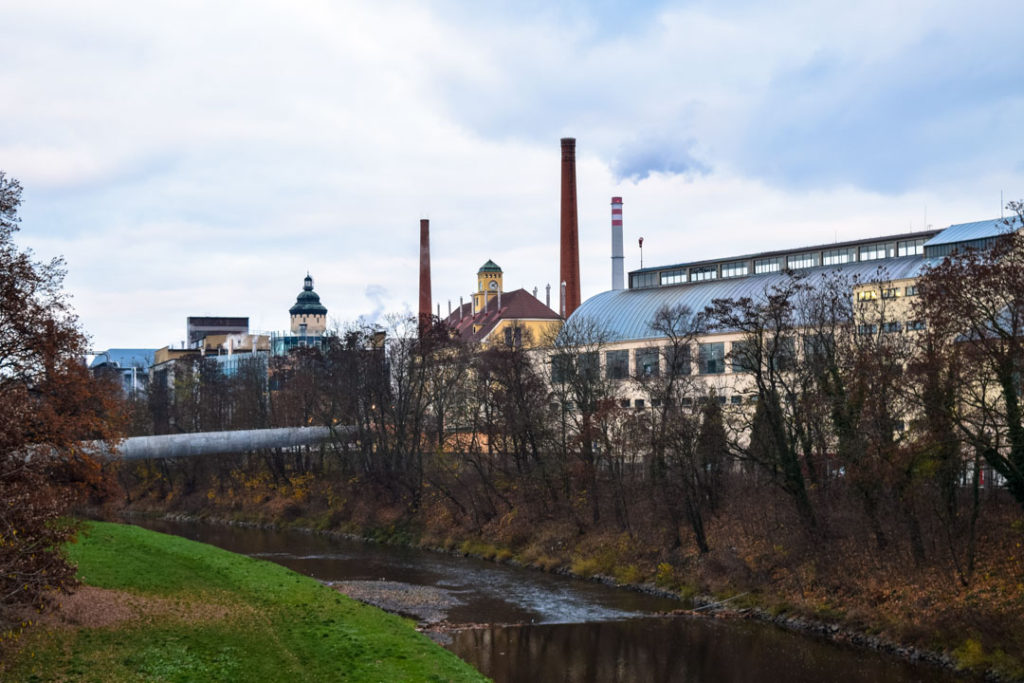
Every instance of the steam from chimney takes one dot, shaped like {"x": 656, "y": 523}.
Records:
{"x": 570, "y": 242}
{"x": 618, "y": 279}
{"x": 424, "y": 276}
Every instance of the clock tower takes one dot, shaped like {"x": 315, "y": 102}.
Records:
{"x": 488, "y": 285}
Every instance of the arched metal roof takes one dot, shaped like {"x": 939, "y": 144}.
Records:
{"x": 626, "y": 314}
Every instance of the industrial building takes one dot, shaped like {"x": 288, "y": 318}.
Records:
{"x": 496, "y": 317}
{"x": 884, "y": 268}
{"x": 132, "y": 366}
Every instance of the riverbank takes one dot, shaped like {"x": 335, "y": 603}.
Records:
{"x": 162, "y": 607}
{"x": 759, "y": 603}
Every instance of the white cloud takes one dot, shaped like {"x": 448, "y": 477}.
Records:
{"x": 198, "y": 158}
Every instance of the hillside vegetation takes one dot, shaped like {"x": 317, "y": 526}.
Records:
{"x": 165, "y": 608}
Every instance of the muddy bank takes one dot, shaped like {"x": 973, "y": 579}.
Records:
{"x": 427, "y": 604}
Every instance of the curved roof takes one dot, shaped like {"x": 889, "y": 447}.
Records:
{"x": 964, "y": 232}
{"x": 308, "y": 301}
{"x": 626, "y": 314}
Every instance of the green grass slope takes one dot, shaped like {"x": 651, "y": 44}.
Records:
{"x": 210, "y": 615}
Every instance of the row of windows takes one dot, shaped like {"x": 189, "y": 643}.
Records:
{"x": 640, "y": 403}
{"x": 780, "y": 354}
{"x": 940, "y": 250}
{"x": 774, "y": 264}
{"x": 892, "y": 327}
{"x": 886, "y": 293}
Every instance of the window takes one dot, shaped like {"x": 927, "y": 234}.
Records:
{"x": 561, "y": 368}
{"x": 513, "y": 336}
{"x": 744, "y": 356}
{"x": 867, "y": 295}
{"x": 910, "y": 247}
{"x": 890, "y": 328}
{"x": 589, "y": 365}
{"x": 735, "y": 399}
{"x": 867, "y": 329}
{"x": 767, "y": 265}
{"x": 616, "y": 364}
{"x": 712, "y": 358}
{"x": 655, "y": 402}
{"x": 703, "y": 273}
{"x": 817, "y": 346}
{"x": 910, "y": 291}
{"x": 783, "y": 354}
{"x": 642, "y": 280}
{"x": 624, "y": 403}
{"x": 890, "y": 293}
{"x": 735, "y": 269}
{"x": 673, "y": 277}
{"x": 647, "y": 362}
{"x": 687, "y": 401}
{"x": 678, "y": 360}
{"x": 837, "y": 257}
{"x": 721, "y": 400}
{"x": 940, "y": 250}
{"x": 916, "y": 325}
{"x": 873, "y": 252}
{"x": 639, "y": 404}
{"x": 807, "y": 260}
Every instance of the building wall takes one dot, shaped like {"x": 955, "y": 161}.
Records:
{"x": 528, "y": 333}
{"x": 315, "y": 324}
{"x": 879, "y": 308}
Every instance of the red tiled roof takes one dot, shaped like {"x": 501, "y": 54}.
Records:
{"x": 515, "y": 305}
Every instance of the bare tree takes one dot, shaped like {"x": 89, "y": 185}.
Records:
{"x": 769, "y": 327}
{"x": 976, "y": 299}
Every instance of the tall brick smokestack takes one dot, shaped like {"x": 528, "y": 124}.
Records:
{"x": 617, "y": 258}
{"x": 570, "y": 242}
{"x": 424, "y": 276}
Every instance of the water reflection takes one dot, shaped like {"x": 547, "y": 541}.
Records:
{"x": 687, "y": 649}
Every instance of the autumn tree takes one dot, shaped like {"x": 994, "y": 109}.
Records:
{"x": 583, "y": 393}
{"x": 687, "y": 446}
{"x": 48, "y": 404}
{"x": 768, "y": 324}
{"x": 975, "y": 300}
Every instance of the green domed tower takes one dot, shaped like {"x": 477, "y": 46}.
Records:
{"x": 309, "y": 316}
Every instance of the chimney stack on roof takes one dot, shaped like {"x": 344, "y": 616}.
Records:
{"x": 569, "y": 272}
{"x": 424, "y": 276}
{"x": 618, "y": 279}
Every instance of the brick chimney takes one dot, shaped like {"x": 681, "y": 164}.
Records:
{"x": 569, "y": 272}
{"x": 425, "y": 297}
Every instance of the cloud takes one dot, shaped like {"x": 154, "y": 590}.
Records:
{"x": 640, "y": 159}
{"x": 186, "y": 164}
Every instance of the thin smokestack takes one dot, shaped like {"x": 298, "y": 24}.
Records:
{"x": 570, "y": 241}
{"x": 618, "y": 279}
{"x": 425, "y": 297}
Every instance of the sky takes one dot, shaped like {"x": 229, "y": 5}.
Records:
{"x": 199, "y": 158}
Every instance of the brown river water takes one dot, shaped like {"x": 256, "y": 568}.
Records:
{"x": 538, "y": 627}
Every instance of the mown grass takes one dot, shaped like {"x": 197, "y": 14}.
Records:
{"x": 257, "y": 621}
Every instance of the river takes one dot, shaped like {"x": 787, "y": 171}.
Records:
{"x": 540, "y": 627}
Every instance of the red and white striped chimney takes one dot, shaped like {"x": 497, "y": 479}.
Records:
{"x": 618, "y": 261}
